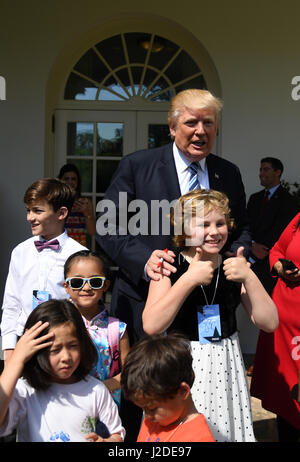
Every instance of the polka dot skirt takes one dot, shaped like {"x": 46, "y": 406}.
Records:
{"x": 220, "y": 390}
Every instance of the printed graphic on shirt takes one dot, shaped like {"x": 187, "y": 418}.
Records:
{"x": 60, "y": 436}
{"x": 88, "y": 425}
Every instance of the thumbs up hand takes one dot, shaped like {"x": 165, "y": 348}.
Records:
{"x": 200, "y": 271}
{"x": 237, "y": 268}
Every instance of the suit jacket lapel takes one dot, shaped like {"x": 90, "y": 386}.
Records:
{"x": 214, "y": 175}
{"x": 168, "y": 175}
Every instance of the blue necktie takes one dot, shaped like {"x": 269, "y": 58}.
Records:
{"x": 194, "y": 183}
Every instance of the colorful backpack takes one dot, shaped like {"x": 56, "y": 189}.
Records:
{"x": 113, "y": 329}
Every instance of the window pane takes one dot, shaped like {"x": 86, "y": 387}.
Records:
{"x": 182, "y": 67}
{"x": 114, "y": 86}
{"x": 79, "y": 88}
{"x": 161, "y": 84}
{"x": 85, "y": 168}
{"x": 123, "y": 76}
{"x": 112, "y": 50}
{"x": 158, "y": 135}
{"x": 80, "y": 139}
{"x": 161, "y": 55}
{"x": 109, "y": 139}
{"x": 105, "y": 171}
{"x": 137, "y": 51}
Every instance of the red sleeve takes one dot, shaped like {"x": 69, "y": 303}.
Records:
{"x": 279, "y": 249}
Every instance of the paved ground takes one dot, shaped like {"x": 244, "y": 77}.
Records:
{"x": 264, "y": 422}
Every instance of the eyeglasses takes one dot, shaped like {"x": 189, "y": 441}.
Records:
{"x": 77, "y": 283}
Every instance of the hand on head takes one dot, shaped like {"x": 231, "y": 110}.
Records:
{"x": 30, "y": 342}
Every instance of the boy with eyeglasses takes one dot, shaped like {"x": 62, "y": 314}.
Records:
{"x": 36, "y": 267}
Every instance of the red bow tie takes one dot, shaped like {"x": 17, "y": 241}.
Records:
{"x": 40, "y": 245}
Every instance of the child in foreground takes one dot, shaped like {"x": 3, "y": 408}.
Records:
{"x": 85, "y": 282}
{"x": 200, "y": 301}
{"x": 157, "y": 376}
{"x": 36, "y": 266}
{"x": 55, "y": 400}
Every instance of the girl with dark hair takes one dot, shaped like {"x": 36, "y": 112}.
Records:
{"x": 81, "y": 220}
{"x": 56, "y": 399}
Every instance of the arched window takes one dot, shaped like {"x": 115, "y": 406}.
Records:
{"x": 133, "y": 65}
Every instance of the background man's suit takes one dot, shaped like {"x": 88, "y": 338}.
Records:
{"x": 267, "y": 227}
{"x": 151, "y": 175}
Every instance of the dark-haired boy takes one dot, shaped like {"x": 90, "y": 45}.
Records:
{"x": 157, "y": 376}
{"x": 36, "y": 266}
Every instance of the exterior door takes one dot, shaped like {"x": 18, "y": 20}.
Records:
{"x": 95, "y": 141}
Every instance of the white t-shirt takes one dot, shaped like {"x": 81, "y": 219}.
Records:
{"x": 32, "y": 270}
{"x": 62, "y": 413}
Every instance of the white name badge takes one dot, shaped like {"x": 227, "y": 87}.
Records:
{"x": 38, "y": 297}
{"x": 209, "y": 324}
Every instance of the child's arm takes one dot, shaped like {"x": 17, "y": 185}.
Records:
{"x": 26, "y": 347}
{"x": 254, "y": 297}
{"x": 114, "y": 382}
{"x": 164, "y": 300}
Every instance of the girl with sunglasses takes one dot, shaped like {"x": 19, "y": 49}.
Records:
{"x": 86, "y": 281}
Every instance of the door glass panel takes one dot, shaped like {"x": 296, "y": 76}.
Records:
{"x": 158, "y": 135}
{"x": 105, "y": 171}
{"x": 85, "y": 168}
{"x": 109, "y": 139}
{"x": 80, "y": 139}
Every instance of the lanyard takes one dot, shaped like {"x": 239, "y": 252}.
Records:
{"x": 217, "y": 282}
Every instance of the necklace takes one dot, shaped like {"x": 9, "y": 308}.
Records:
{"x": 148, "y": 438}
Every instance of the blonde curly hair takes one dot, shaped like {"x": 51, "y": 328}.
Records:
{"x": 193, "y": 203}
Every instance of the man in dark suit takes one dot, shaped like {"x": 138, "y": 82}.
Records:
{"x": 160, "y": 174}
{"x": 270, "y": 211}
{"x": 148, "y": 178}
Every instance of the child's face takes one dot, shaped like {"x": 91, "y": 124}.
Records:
{"x": 86, "y": 298}
{"x": 164, "y": 411}
{"x": 44, "y": 221}
{"x": 64, "y": 354}
{"x": 210, "y": 232}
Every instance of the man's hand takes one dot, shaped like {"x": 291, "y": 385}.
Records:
{"x": 155, "y": 266}
{"x": 260, "y": 251}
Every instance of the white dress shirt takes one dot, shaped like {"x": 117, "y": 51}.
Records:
{"x": 182, "y": 167}
{"x": 32, "y": 270}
